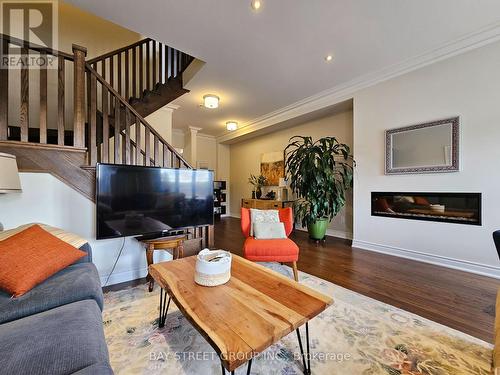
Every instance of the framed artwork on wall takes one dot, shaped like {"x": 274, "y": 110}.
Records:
{"x": 272, "y": 167}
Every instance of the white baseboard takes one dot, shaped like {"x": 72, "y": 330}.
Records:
{"x": 339, "y": 233}
{"x": 121, "y": 277}
{"x": 462, "y": 265}
{"x": 331, "y": 232}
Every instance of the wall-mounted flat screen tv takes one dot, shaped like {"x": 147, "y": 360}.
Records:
{"x": 136, "y": 200}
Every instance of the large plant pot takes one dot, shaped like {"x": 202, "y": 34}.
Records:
{"x": 317, "y": 230}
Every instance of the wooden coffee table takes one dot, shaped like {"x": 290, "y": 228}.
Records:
{"x": 243, "y": 317}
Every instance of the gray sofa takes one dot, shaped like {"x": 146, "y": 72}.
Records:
{"x": 56, "y": 328}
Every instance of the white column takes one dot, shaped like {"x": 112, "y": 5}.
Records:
{"x": 192, "y": 145}
{"x": 162, "y": 121}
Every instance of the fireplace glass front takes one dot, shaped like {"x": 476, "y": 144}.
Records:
{"x": 462, "y": 208}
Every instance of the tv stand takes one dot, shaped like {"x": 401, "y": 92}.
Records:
{"x": 170, "y": 242}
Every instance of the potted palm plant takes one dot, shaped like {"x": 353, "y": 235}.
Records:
{"x": 320, "y": 174}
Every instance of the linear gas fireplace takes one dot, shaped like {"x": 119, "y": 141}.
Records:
{"x": 462, "y": 208}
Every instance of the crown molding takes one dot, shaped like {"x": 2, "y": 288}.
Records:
{"x": 342, "y": 92}
{"x": 207, "y": 136}
{"x": 199, "y": 135}
{"x": 194, "y": 129}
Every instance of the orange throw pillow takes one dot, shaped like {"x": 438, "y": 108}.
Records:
{"x": 32, "y": 256}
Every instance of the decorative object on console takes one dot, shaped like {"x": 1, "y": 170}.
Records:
{"x": 283, "y": 189}
{"x": 424, "y": 148}
{"x": 271, "y": 195}
{"x": 257, "y": 183}
{"x": 320, "y": 173}
{"x": 213, "y": 267}
{"x": 461, "y": 208}
{"x": 272, "y": 167}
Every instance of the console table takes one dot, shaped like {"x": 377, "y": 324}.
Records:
{"x": 173, "y": 243}
{"x": 265, "y": 204}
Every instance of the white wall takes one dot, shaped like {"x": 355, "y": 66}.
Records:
{"x": 47, "y": 200}
{"x": 467, "y": 85}
{"x": 207, "y": 151}
{"x": 178, "y": 138}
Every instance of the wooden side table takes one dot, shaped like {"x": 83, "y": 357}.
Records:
{"x": 174, "y": 243}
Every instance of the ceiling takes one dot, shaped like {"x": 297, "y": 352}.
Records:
{"x": 259, "y": 62}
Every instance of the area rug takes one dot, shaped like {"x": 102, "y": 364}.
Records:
{"x": 357, "y": 335}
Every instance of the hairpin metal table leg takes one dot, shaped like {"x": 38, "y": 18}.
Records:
{"x": 305, "y": 356}
{"x": 249, "y": 368}
{"x": 163, "y": 308}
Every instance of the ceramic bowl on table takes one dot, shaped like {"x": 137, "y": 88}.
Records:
{"x": 213, "y": 267}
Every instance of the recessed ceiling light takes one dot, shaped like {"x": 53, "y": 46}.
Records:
{"x": 231, "y": 125}
{"x": 328, "y": 58}
{"x": 256, "y": 4}
{"x": 211, "y": 101}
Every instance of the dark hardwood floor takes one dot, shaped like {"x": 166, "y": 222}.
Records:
{"x": 457, "y": 299}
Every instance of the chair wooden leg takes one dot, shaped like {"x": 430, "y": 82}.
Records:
{"x": 295, "y": 271}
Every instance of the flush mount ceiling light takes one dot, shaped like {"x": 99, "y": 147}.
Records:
{"x": 256, "y": 4}
{"x": 328, "y": 58}
{"x": 211, "y": 101}
{"x": 231, "y": 125}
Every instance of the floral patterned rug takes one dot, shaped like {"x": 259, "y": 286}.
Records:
{"x": 357, "y": 335}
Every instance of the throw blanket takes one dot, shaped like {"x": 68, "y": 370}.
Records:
{"x": 67, "y": 237}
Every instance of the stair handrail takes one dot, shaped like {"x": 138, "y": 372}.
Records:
{"x": 115, "y": 52}
{"x": 35, "y": 47}
{"x": 119, "y": 50}
{"x": 127, "y": 105}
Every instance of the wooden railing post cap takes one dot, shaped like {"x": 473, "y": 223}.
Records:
{"x": 76, "y": 47}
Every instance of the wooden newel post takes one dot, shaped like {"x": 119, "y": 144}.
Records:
{"x": 79, "y": 54}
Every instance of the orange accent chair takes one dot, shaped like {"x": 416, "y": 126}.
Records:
{"x": 282, "y": 250}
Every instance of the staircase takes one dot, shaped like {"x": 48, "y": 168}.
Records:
{"x": 96, "y": 107}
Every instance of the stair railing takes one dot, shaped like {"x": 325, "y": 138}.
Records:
{"x": 137, "y": 68}
{"x": 127, "y": 138}
{"x": 28, "y": 59}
